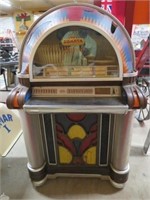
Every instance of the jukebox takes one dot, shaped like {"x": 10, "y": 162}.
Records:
{"x": 76, "y": 95}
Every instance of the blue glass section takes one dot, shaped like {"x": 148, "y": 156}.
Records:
{"x": 92, "y": 15}
{"x": 28, "y": 96}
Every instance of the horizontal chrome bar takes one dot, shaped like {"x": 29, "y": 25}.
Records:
{"x": 76, "y": 108}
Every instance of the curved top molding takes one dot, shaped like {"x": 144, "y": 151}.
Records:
{"x": 81, "y": 15}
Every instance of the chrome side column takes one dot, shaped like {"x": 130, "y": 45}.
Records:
{"x": 33, "y": 140}
{"x": 121, "y": 147}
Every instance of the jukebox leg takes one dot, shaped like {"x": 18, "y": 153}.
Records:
{"x": 119, "y": 167}
{"x": 34, "y": 146}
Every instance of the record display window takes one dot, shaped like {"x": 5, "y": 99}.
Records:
{"x": 75, "y": 52}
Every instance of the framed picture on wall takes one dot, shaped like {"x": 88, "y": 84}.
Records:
{"x": 23, "y": 21}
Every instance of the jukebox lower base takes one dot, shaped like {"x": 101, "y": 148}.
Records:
{"x": 40, "y": 176}
{"x": 78, "y": 144}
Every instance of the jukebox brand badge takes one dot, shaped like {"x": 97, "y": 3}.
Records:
{"x": 73, "y": 41}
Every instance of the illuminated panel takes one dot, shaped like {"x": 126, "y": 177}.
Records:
{"x": 76, "y": 91}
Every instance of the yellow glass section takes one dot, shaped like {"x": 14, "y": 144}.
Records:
{"x": 65, "y": 156}
{"x": 76, "y": 131}
{"x": 90, "y": 156}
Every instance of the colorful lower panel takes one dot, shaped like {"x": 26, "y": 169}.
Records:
{"x": 78, "y": 139}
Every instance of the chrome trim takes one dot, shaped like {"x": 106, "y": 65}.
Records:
{"x": 100, "y": 131}
{"x": 39, "y": 183}
{"x": 54, "y": 139}
{"x": 128, "y": 75}
{"x": 75, "y": 108}
{"x": 121, "y": 172}
{"x": 23, "y": 75}
{"x": 35, "y": 170}
{"x": 71, "y": 175}
{"x": 117, "y": 185}
{"x": 105, "y": 165}
{"x": 43, "y": 121}
{"x": 108, "y": 147}
{"x": 113, "y": 136}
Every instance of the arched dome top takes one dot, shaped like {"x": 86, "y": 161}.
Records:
{"x": 79, "y": 15}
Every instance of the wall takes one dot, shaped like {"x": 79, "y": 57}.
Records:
{"x": 141, "y": 12}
